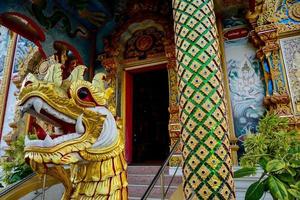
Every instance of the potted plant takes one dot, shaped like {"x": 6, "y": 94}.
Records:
{"x": 275, "y": 149}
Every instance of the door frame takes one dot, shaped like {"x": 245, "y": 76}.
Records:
{"x": 128, "y": 102}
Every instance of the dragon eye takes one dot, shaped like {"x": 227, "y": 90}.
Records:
{"x": 27, "y": 83}
{"x": 83, "y": 93}
{"x": 84, "y": 97}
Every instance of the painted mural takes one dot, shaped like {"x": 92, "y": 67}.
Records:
{"x": 23, "y": 47}
{"x": 51, "y": 20}
{"x": 246, "y": 85}
{"x": 291, "y": 55}
{"x": 4, "y": 41}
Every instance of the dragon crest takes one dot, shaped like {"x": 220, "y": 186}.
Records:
{"x": 85, "y": 137}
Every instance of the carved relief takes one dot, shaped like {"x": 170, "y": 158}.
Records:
{"x": 294, "y": 12}
{"x": 291, "y": 55}
{"x": 144, "y": 43}
{"x": 282, "y": 14}
{"x": 275, "y": 18}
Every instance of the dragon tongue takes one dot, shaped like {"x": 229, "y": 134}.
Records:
{"x": 41, "y": 134}
{"x": 79, "y": 125}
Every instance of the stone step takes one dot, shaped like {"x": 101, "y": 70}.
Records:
{"x": 150, "y": 170}
{"x": 137, "y": 191}
{"x": 138, "y": 179}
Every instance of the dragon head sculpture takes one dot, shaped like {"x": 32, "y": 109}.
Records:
{"x": 85, "y": 135}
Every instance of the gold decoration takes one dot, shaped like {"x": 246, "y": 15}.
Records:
{"x": 294, "y": 12}
{"x": 267, "y": 21}
{"x": 4, "y": 86}
{"x": 272, "y": 12}
{"x": 175, "y": 161}
{"x": 98, "y": 166}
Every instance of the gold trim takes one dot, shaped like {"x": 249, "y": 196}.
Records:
{"x": 233, "y": 146}
{"x": 289, "y": 34}
{"x": 226, "y": 80}
{"x": 9, "y": 61}
{"x": 285, "y": 72}
{"x": 144, "y": 63}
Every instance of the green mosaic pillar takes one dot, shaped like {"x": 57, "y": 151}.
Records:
{"x": 207, "y": 168}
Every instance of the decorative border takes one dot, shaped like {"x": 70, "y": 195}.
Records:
{"x": 6, "y": 78}
{"x": 286, "y": 70}
{"x": 232, "y": 136}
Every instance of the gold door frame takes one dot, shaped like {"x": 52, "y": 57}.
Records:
{"x": 7, "y": 69}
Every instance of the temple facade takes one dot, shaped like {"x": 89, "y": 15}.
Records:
{"x": 186, "y": 82}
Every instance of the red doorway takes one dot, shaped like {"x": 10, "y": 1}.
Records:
{"x": 146, "y": 127}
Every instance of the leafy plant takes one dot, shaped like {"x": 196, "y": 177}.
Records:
{"x": 276, "y": 149}
{"x": 14, "y": 167}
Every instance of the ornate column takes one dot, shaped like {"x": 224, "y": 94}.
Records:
{"x": 277, "y": 98}
{"x": 265, "y": 36}
{"x": 207, "y": 167}
{"x": 174, "y": 125}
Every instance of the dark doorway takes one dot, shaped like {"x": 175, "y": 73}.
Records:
{"x": 150, "y": 117}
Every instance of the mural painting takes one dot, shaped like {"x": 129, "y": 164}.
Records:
{"x": 246, "y": 85}
{"x": 4, "y": 40}
{"x": 23, "y": 47}
{"x": 291, "y": 55}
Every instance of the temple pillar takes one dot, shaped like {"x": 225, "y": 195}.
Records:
{"x": 207, "y": 167}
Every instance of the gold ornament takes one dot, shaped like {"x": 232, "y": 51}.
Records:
{"x": 294, "y": 12}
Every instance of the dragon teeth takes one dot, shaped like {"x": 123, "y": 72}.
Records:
{"x": 58, "y": 130}
{"x": 79, "y": 125}
{"x": 38, "y": 104}
{"x": 49, "y": 142}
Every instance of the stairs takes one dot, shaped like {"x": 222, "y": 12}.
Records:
{"x": 140, "y": 177}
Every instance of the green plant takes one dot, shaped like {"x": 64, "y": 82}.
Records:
{"x": 275, "y": 149}
{"x": 14, "y": 167}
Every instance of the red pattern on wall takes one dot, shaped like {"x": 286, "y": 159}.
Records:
{"x": 144, "y": 43}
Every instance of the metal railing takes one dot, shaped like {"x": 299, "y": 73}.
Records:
{"x": 10, "y": 188}
{"x": 30, "y": 184}
{"x": 160, "y": 175}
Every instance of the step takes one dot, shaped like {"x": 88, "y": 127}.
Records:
{"x": 137, "y": 191}
{"x": 135, "y": 169}
{"x": 138, "y": 179}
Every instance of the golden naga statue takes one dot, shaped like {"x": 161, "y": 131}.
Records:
{"x": 86, "y": 149}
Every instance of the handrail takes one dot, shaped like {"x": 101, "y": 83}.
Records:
{"x": 13, "y": 186}
{"x": 160, "y": 171}
{"x": 172, "y": 179}
{"x": 23, "y": 187}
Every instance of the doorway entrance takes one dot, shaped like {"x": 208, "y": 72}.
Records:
{"x": 150, "y": 116}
